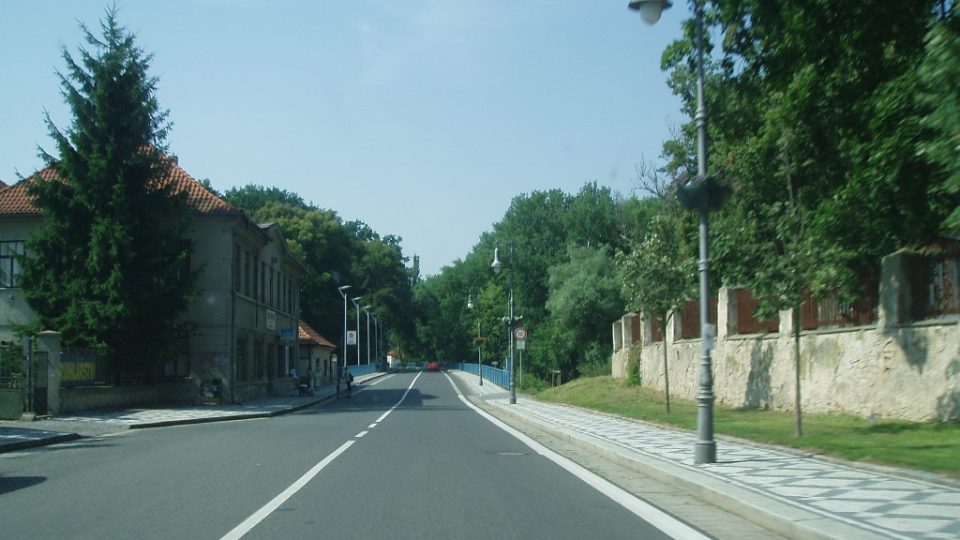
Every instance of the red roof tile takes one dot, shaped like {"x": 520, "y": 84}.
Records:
{"x": 15, "y": 200}
{"x": 310, "y": 336}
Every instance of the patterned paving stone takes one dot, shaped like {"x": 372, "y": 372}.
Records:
{"x": 881, "y": 504}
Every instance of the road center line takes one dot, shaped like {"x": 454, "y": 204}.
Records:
{"x": 401, "y": 398}
{"x": 248, "y": 524}
{"x": 360, "y": 435}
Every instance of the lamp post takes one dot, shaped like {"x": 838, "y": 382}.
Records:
{"x": 356, "y": 305}
{"x": 366, "y": 309}
{"x": 479, "y": 338}
{"x": 497, "y": 266}
{"x": 342, "y": 290}
{"x": 702, "y": 194}
{"x": 376, "y": 338}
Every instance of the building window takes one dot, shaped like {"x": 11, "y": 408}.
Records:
{"x": 183, "y": 269}
{"x": 256, "y": 264}
{"x": 10, "y": 253}
{"x": 243, "y": 372}
{"x": 236, "y": 268}
{"x": 271, "y": 287}
{"x": 246, "y": 275}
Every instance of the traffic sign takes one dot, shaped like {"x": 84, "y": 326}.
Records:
{"x": 520, "y": 333}
{"x": 351, "y": 337}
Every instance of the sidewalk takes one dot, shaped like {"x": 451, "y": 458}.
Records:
{"x": 16, "y": 435}
{"x": 794, "y": 494}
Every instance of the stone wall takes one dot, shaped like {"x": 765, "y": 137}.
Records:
{"x": 91, "y": 398}
{"x": 626, "y": 334}
{"x": 892, "y": 369}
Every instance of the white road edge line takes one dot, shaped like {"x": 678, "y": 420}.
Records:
{"x": 248, "y": 524}
{"x": 652, "y": 515}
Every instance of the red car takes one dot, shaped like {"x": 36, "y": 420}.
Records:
{"x": 433, "y": 366}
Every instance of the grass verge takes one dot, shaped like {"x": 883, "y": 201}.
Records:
{"x": 931, "y": 447}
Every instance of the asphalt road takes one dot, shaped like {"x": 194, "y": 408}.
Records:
{"x": 406, "y": 457}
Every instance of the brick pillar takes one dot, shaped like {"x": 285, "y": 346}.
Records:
{"x": 894, "y": 308}
{"x": 617, "y": 329}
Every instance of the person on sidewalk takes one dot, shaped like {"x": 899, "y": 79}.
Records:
{"x": 349, "y": 379}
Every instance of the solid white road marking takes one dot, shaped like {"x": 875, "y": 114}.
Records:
{"x": 642, "y": 509}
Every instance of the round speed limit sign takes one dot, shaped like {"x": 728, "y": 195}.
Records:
{"x": 520, "y": 333}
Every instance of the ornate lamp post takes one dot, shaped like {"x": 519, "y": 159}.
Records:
{"x": 366, "y": 309}
{"x": 497, "y": 266}
{"x": 356, "y": 305}
{"x": 479, "y": 339}
{"x": 342, "y": 290}
{"x": 702, "y": 195}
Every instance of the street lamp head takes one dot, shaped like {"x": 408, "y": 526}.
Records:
{"x": 367, "y": 307}
{"x": 703, "y": 194}
{"x": 355, "y": 300}
{"x": 496, "y": 265}
{"x": 343, "y": 288}
{"x": 470, "y": 301}
{"x": 650, "y": 10}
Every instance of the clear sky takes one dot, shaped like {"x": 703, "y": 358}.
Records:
{"x": 421, "y": 118}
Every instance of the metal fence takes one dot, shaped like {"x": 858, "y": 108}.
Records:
{"x": 934, "y": 286}
{"x": 499, "y": 377}
{"x": 363, "y": 369}
{"x": 82, "y": 368}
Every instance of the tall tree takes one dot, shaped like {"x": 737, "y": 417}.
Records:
{"x": 106, "y": 269}
{"x": 940, "y": 77}
{"x": 584, "y": 298}
{"x": 657, "y": 273}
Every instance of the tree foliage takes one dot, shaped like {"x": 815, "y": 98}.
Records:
{"x": 106, "y": 269}
{"x": 561, "y": 272}
{"x": 940, "y": 93}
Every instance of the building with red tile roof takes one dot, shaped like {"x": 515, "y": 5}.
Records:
{"x": 243, "y": 319}
{"x": 315, "y": 353}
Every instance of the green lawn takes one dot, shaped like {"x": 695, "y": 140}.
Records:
{"x": 923, "y": 446}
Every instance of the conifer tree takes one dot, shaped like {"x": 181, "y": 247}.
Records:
{"x": 109, "y": 268}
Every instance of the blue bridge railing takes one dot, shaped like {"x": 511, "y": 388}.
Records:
{"x": 499, "y": 377}
{"x": 363, "y": 369}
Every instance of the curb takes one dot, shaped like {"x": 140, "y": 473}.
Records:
{"x": 35, "y": 443}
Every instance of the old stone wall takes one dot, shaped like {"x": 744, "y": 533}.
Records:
{"x": 892, "y": 369}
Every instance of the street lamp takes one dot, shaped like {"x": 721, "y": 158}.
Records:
{"x": 342, "y": 290}
{"x": 479, "y": 339}
{"x": 356, "y": 305}
{"x": 366, "y": 309}
{"x": 376, "y": 338}
{"x": 702, "y": 194}
{"x": 497, "y": 266}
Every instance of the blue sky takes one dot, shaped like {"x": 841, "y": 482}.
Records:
{"x": 421, "y": 118}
